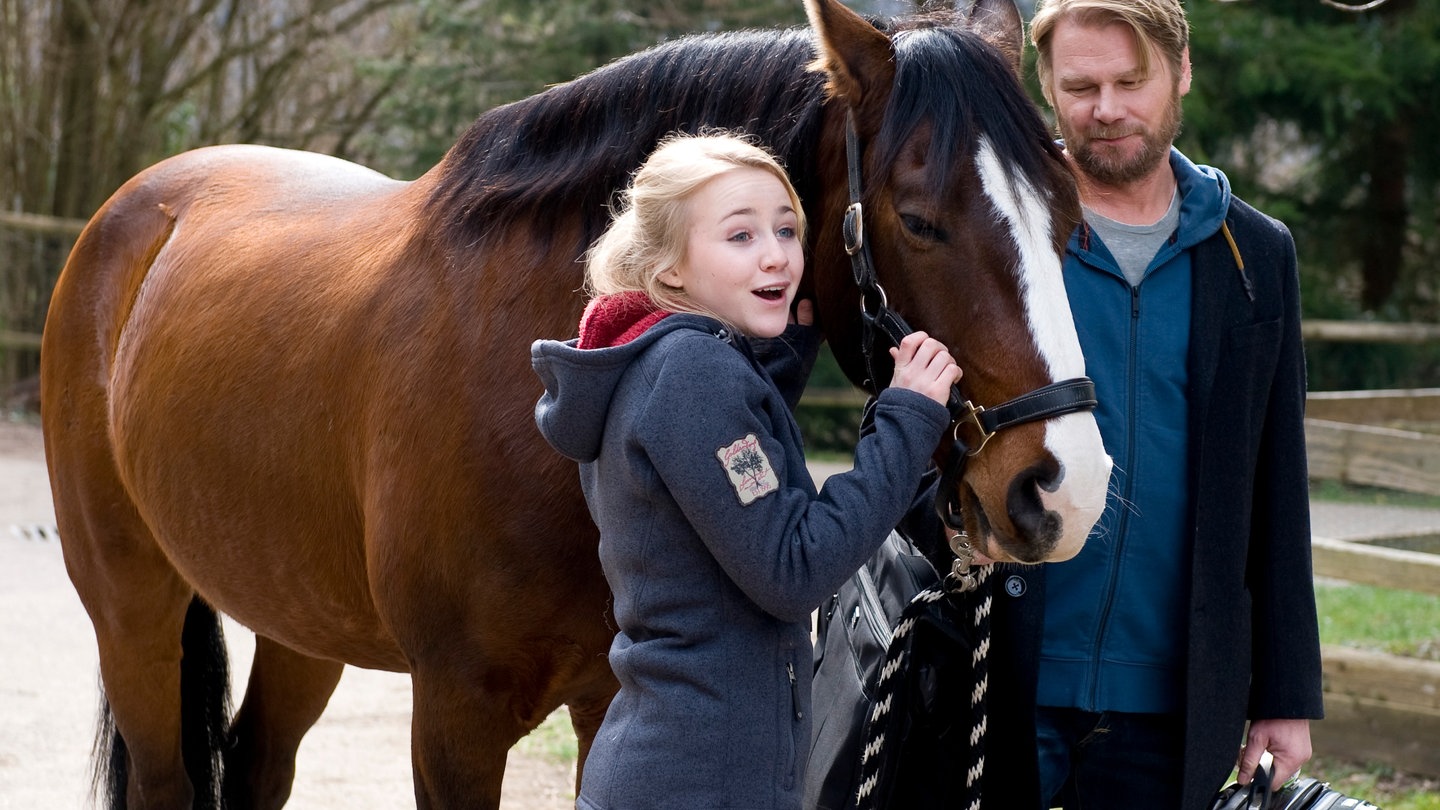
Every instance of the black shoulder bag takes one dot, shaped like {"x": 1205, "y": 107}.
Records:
{"x": 925, "y": 724}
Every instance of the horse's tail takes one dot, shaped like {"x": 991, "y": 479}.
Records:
{"x": 111, "y": 759}
{"x": 204, "y": 716}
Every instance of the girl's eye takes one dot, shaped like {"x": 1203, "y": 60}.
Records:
{"x": 742, "y": 236}
{"x": 786, "y": 232}
{"x": 922, "y": 228}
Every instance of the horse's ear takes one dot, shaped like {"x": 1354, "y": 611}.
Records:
{"x": 998, "y": 22}
{"x": 852, "y": 52}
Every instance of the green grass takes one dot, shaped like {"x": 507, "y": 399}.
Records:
{"x": 1349, "y": 493}
{"x": 553, "y": 739}
{"x": 1381, "y": 619}
{"x": 1377, "y": 784}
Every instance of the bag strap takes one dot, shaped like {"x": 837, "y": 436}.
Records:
{"x": 1254, "y": 796}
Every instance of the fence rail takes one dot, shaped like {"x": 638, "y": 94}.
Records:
{"x": 1364, "y": 437}
{"x": 1371, "y": 564}
{"x": 19, "y": 340}
{"x": 1380, "y": 708}
{"x": 1379, "y": 407}
{"x": 1369, "y": 332}
{"x": 39, "y": 223}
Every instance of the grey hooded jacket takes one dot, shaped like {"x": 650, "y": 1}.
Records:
{"x": 717, "y": 549}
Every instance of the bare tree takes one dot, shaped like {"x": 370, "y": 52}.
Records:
{"x": 93, "y": 90}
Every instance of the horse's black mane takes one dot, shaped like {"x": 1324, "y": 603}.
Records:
{"x": 570, "y": 147}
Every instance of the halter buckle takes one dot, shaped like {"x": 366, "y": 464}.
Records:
{"x": 854, "y": 228}
{"x": 970, "y": 415}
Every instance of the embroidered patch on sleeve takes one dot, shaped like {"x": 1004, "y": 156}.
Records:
{"x": 749, "y": 469}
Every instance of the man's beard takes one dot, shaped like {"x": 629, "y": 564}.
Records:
{"x": 1116, "y": 170}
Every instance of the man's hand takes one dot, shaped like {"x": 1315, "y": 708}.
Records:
{"x": 1288, "y": 741}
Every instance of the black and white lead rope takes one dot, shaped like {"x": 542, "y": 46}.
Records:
{"x": 41, "y": 532}
{"x": 877, "y": 724}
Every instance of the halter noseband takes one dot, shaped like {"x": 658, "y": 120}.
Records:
{"x": 879, "y": 321}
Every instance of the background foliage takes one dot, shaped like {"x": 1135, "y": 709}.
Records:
{"x": 1330, "y": 121}
{"x": 1324, "y": 118}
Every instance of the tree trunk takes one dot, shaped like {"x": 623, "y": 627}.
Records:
{"x": 77, "y": 59}
{"x": 1383, "y": 241}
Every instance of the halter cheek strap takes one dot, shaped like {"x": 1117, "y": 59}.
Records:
{"x": 879, "y": 322}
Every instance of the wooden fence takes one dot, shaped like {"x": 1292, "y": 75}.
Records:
{"x": 1385, "y": 439}
{"x": 32, "y": 251}
{"x": 1379, "y": 707}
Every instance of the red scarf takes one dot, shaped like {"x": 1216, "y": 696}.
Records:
{"x": 614, "y": 320}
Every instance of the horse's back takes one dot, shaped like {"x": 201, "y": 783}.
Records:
{"x": 216, "y": 211}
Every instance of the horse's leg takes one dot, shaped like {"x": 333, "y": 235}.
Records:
{"x": 138, "y": 606}
{"x": 460, "y": 733}
{"x": 585, "y": 718}
{"x": 159, "y": 648}
{"x": 286, "y": 694}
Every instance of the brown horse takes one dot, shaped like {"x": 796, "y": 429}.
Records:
{"x": 288, "y": 389}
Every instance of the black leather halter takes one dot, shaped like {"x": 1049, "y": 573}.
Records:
{"x": 879, "y": 322}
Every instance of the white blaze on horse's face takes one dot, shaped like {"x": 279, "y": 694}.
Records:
{"x": 1073, "y": 439}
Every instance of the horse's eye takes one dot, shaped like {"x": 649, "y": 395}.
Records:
{"x": 922, "y": 228}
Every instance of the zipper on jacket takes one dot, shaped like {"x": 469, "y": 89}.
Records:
{"x": 1132, "y": 396}
{"x": 794, "y": 690}
{"x": 791, "y": 760}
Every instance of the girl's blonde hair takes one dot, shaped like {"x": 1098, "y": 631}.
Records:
{"x": 647, "y": 233}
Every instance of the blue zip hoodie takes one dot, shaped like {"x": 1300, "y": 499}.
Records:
{"x": 1115, "y": 615}
{"x": 717, "y": 549}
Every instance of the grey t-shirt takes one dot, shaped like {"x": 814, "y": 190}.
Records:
{"x": 1134, "y": 246}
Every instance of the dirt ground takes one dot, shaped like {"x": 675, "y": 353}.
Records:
{"x": 356, "y": 757}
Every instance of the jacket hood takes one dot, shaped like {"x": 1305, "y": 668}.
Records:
{"x": 1204, "y": 200}
{"x": 580, "y": 383}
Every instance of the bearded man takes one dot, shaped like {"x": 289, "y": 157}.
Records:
{"x": 1185, "y": 631}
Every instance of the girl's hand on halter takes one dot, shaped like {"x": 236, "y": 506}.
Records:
{"x": 924, "y": 365}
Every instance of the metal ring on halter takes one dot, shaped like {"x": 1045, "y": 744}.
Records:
{"x": 878, "y": 292}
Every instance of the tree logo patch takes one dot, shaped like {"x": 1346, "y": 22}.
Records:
{"x": 749, "y": 469}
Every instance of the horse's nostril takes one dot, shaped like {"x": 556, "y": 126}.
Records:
{"x": 1037, "y": 528}
{"x": 1051, "y": 482}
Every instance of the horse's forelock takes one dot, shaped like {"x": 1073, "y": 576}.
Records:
{"x": 962, "y": 87}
